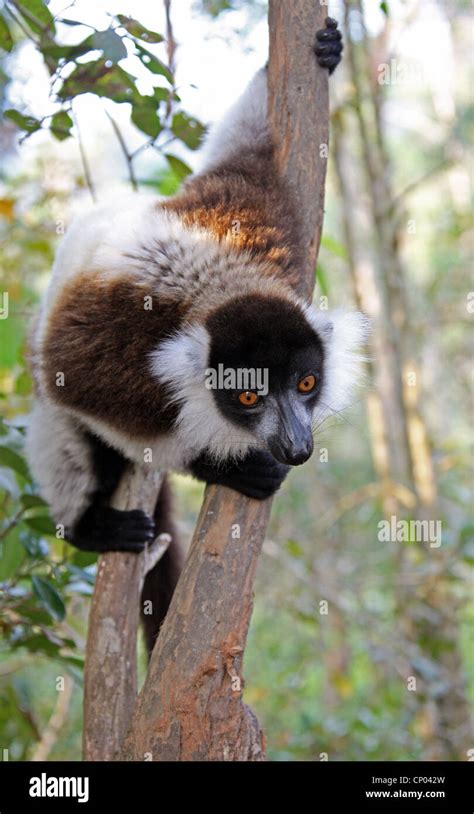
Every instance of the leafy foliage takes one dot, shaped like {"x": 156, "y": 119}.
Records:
{"x": 92, "y": 66}
{"x": 44, "y": 583}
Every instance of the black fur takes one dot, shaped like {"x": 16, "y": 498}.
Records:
{"x": 258, "y": 475}
{"x": 102, "y": 528}
{"x": 328, "y": 46}
{"x": 161, "y": 581}
{"x": 263, "y": 334}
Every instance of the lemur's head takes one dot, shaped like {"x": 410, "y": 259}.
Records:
{"x": 264, "y": 369}
{"x": 278, "y": 359}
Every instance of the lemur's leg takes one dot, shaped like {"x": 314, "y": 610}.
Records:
{"x": 77, "y": 474}
{"x": 245, "y": 124}
{"x": 328, "y": 46}
{"x": 101, "y": 528}
{"x": 243, "y": 127}
{"x": 257, "y": 475}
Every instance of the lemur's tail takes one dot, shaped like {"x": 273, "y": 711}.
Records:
{"x": 161, "y": 581}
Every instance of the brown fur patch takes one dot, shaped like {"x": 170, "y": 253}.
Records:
{"x": 100, "y": 336}
{"x": 244, "y": 203}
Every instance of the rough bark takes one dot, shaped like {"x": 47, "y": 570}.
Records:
{"x": 299, "y": 116}
{"x": 110, "y": 677}
{"x": 190, "y": 707}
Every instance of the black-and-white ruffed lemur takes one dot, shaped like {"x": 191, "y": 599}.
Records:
{"x": 145, "y": 297}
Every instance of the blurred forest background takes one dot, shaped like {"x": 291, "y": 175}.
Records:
{"x": 360, "y": 649}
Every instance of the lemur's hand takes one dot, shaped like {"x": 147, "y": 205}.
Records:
{"x": 102, "y": 528}
{"x": 258, "y": 475}
{"x": 328, "y": 46}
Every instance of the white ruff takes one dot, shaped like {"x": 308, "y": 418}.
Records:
{"x": 342, "y": 334}
{"x": 181, "y": 362}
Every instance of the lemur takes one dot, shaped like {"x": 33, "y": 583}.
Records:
{"x": 146, "y": 296}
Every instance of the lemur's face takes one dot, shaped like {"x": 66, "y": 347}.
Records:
{"x": 269, "y": 373}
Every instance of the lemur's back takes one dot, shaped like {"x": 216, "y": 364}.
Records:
{"x": 147, "y": 297}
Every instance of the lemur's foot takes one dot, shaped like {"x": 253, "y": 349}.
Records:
{"x": 328, "y": 46}
{"x": 104, "y": 529}
{"x": 258, "y": 475}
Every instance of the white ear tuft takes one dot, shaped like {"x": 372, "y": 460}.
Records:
{"x": 181, "y": 360}
{"x": 342, "y": 334}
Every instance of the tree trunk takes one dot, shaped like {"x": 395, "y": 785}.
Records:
{"x": 110, "y": 677}
{"x": 425, "y": 601}
{"x": 190, "y": 707}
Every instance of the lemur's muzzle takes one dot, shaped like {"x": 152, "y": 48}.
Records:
{"x": 293, "y": 443}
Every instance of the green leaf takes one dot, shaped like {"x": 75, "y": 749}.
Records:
{"x": 144, "y": 117}
{"x": 74, "y": 661}
{"x": 163, "y": 94}
{"x": 33, "y": 502}
{"x": 106, "y": 41}
{"x": 72, "y": 22}
{"x": 100, "y": 79}
{"x": 322, "y": 280}
{"x": 84, "y": 558}
{"x": 384, "y": 7}
{"x": 12, "y": 555}
{"x": 136, "y": 29}
{"x": 6, "y": 39}
{"x": 37, "y": 15}
{"x": 180, "y": 169}
{"x": 110, "y": 44}
{"x": 294, "y": 548}
{"x": 28, "y": 123}
{"x": 81, "y": 573}
{"x": 215, "y": 7}
{"x": 32, "y": 613}
{"x": 49, "y": 597}
{"x": 42, "y": 525}
{"x": 8, "y": 483}
{"x": 23, "y": 384}
{"x": 61, "y": 125}
{"x": 152, "y": 62}
{"x": 34, "y": 546}
{"x": 188, "y": 130}
{"x": 68, "y": 52}
{"x": 334, "y": 246}
{"x": 12, "y": 460}
{"x": 38, "y": 643}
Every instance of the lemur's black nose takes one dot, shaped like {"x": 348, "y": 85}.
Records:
{"x": 299, "y": 456}
{"x": 292, "y": 453}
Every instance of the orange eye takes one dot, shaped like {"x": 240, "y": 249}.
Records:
{"x": 307, "y": 384}
{"x": 248, "y": 399}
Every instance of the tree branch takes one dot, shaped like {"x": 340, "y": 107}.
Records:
{"x": 299, "y": 117}
{"x": 110, "y": 677}
{"x": 128, "y": 156}
{"x": 84, "y": 159}
{"x": 190, "y": 707}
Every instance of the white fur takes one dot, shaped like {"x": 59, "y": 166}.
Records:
{"x": 245, "y": 124}
{"x": 60, "y": 461}
{"x": 181, "y": 362}
{"x": 343, "y": 333}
